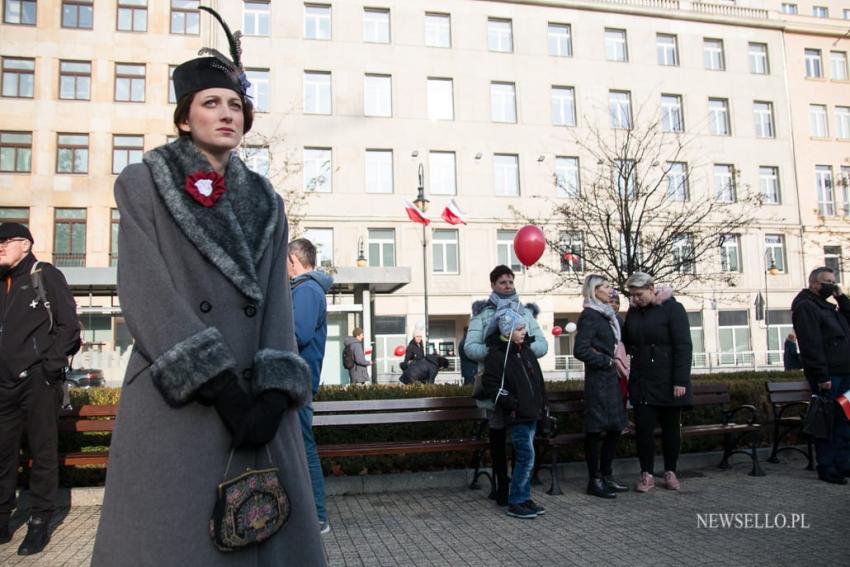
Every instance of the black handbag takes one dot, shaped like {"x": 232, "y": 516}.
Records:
{"x": 820, "y": 418}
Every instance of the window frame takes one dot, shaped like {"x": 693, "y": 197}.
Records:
{"x": 825, "y": 190}
{"x": 678, "y": 192}
{"x": 663, "y": 51}
{"x": 713, "y": 54}
{"x": 317, "y": 87}
{"x": 260, "y": 89}
{"x": 727, "y": 191}
{"x": 813, "y": 59}
{"x": 377, "y": 25}
{"x": 127, "y": 150}
{"x": 568, "y": 41}
{"x": 731, "y": 242}
{"x": 4, "y": 71}
{"x": 75, "y": 76}
{"x": 562, "y": 103}
{"x": 381, "y": 243}
{"x": 190, "y": 16}
{"x": 381, "y": 175}
{"x": 566, "y": 167}
{"x": 73, "y": 148}
{"x": 21, "y": 12}
{"x": 571, "y": 243}
{"x": 715, "y": 114}
{"x": 614, "y": 39}
{"x": 766, "y": 174}
{"x": 502, "y": 169}
{"x": 124, "y": 5}
{"x": 445, "y": 244}
{"x": 433, "y": 16}
{"x": 616, "y": 118}
{"x": 772, "y": 248}
{"x": 818, "y": 121}
{"x": 258, "y": 16}
{"x": 71, "y": 258}
{"x": 324, "y": 169}
{"x": 496, "y": 36}
{"x": 755, "y": 58}
{"x": 762, "y": 114}
{"x": 131, "y": 82}
{"x": 77, "y": 6}
{"x": 503, "y": 104}
{"x": 438, "y": 162}
{"x": 434, "y": 103}
{"x": 377, "y": 90}
{"x": 841, "y": 58}
{"x": 17, "y": 148}
{"x": 667, "y": 117}
{"x": 505, "y": 246}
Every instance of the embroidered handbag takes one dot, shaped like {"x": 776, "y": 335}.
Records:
{"x": 249, "y": 508}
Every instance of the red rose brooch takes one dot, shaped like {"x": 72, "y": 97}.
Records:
{"x": 206, "y": 187}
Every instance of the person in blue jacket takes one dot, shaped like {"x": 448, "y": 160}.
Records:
{"x": 310, "y": 314}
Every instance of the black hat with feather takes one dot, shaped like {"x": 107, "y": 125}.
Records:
{"x": 215, "y": 71}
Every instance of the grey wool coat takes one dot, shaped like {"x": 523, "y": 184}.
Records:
{"x": 203, "y": 290}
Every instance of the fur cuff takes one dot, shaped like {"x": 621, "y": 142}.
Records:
{"x": 282, "y": 370}
{"x": 188, "y": 365}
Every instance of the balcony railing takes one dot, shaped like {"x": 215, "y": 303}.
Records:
{"x": 69, "y": 260}
{"x": 702, "y": 362}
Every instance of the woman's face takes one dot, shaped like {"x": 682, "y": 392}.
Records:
{"x": 603, "y": 292}
{"x": 215, "y": 120}
{"x": 418, "y": 339}
{"x": 642, "y": 296}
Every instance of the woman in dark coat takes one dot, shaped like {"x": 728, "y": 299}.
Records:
{"x": 658, "y": 339}
{"x": 415, "y": 350}
{"x": 604, "y": 412}
{"x": 214, "y": 370}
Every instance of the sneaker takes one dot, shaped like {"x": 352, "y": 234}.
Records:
{"x": 647, "y": 482}
{"x": 613, "y": 485}
{"x": 532, "y": 505}
{"x": 38, "y": 535}
{"x": 671, "y": 482}
{"x": 324, "y": 527}
{"x": 520, "y": 511}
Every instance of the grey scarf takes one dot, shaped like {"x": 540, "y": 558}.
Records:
{"x": 607, "y": 312}
{"x": 501, "y": 303}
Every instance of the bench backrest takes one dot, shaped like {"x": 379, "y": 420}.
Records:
{"x": 404, "y": 410}
{"x": 571, "y": 401}
{"x": 785, "y": 392}
{"x": 710, "y": 394}
{"x": 80, "y": 419}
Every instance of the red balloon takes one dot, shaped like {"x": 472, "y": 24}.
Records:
{"x": 529, "y": 244}
{"x": 556, "y": 330}
{"x": 399, "y": 350}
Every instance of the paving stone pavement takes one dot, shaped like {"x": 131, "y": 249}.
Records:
{"x": 455, "y": 527}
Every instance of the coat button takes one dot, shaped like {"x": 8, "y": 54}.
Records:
{"x": 247, "y": 374}
{"x": 205, "y": 306}
{"x": 250, "y": 310}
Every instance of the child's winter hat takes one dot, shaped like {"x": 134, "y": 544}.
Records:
{"x": 509, "y": 320}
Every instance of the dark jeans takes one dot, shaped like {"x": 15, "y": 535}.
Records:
{"x": 646, "y": 417}
{"x": 314, "y": 465}
{"x": 31, "y": 405}
{"x": 522, "y": 438}
{"x": 600, "y": 462}
{"x": 835, "y": 452}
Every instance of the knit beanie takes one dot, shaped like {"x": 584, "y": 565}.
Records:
{"x": 509, "y": 321}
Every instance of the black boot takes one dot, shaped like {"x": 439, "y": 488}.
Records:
{"x": 597, "y": 488}
{"x": 612, "y": 485}
{"x": 831, "y": 476}
{"x": 503, "y": 483}
{"x": 38, "y": 534}
{"x": 5, "y": 532}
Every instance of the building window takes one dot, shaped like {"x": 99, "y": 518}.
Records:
{"x": 788, "y": 8}
{"x": 377, "y": 95}
{"x": 567, "y": 177}
{"x": 442, "y": 173}
{"x": 571, "y": 250}
{"x": 445, "y": 248}
{"x": 18, "y": 77}
{"x": 317, "y": 21}
{"x": 774, "y": 245}
{"x": 724, "y": 183}
{"x": 503, "y": 102}
{"x": 713, "y": 57}
{"x": 820, "y": 11}
{"x": 318, "y": 170}
{"x": 323, "y": 240}
{"x": 838, "y": 62}
{"x": 563, "y": 106}
{"x": 845, "y": 188}
{"x": 379, "y": 171}
{"x": 317, "y": 92}
{"x": 21, "y": 12}
{"x": 846, "y": 13}
{"x": 718, "y": 117}
{"x": 255, "y": 18}
{"x": 75, "y": 80}
{"x": 769, "y": 184}
{"x": 114, "y": 227}
{"x": 77, "y": 14}
{"x": 72, "y": 153}
{"x": 620, "y": 109}
{"x": 672, "y": 118}
{"x": 730, "y": 253}
{"x": 823, "y": 184}
{"x": 259, "y": 89}
{"x": 185, "y": 17}
{"x": 733, "y": 334}
{"x": 506, "y": 175}
{"x": 20, "y": 215}
{"x": 376, "y": 25}
{"x": 257, "y": 158}
{"x": 69, "y": 238}
{"x": 440, "y": 99}
{"x": 616, "y": 48}
{"x": 814, "y": 68}
{"x": 697, "y": 337}
{"x": 832, "y": 259}
{"x": 560, "y": 40}
{"x": 625, "y": 175}
{"x": 500, "y": 35}
{"x": 132, "y": 16}
{"x": 677, "y": 181}
{"x": 438, "y": 30}
{"x": 505, "y": 254}
{"x": 172, "y": 95}
{"x": 763, "y": 115}
{"x": 817, "y": 120}
{"x": 842, "y": 122}
{"x": 759, "y": 63}
{"x": 126, "y": 150}
{"x": 668, "y": 50}
{"x": 381, "y": 247}
{"x": 682, "y": 248}
{"x": 15, "y": 152}
{"x": 129, "y": 83}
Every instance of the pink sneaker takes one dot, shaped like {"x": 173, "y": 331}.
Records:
{"x": 647, "y": 482}
{"x": 671, "y": 482}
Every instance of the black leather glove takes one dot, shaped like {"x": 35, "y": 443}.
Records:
{"x": 264, "y": 418}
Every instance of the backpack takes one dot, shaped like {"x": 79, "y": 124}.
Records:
{"x": 348, "y": 357}
{"x": 37, "y": 282}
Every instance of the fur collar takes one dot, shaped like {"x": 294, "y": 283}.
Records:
{"x": 235, "y": 232}
{"x": 482, "y": 304}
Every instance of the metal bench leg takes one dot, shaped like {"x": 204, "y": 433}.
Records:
{"x": 476, "y": 467}
{"x": 757, "y": 470}
{"x": 728, "y": 446}
{"x": 555, "y": 486}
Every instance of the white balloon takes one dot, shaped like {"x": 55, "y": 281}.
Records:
{"x": 570, "y": 327}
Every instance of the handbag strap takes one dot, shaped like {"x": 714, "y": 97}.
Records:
{"x": 230, "y": 459}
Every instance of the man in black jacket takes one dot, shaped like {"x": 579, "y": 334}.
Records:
{"x": 37, "y": 333}
{"x": 823, "y": 333}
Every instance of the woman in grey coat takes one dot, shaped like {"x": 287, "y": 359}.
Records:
{"x": 203, "y": 287}
{"x": 604, "y": 411}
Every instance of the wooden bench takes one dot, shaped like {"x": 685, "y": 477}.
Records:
{"x": 789, "y": 401}
{"x": 371, "y": 413}
{"x": 84, "y": 419}
{"x": 572, "y": 403}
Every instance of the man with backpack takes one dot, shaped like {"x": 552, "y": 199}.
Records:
{"x": 354, "y": 359}
{"x": 38, "y": 331}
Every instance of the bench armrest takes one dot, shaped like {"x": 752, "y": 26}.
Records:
{"x": 729, "y": 416}
{"x": 784, "y": 407}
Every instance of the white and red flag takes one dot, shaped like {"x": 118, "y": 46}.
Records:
{"x": 415, "y": 214}
{"x": 452, "y": 213}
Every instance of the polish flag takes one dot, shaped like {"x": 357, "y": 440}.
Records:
{"x": 452, "y": 213}
{"x": 415, "y": 214}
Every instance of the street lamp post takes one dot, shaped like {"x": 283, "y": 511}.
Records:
{"x": 422, "y": 204}
{"x": 770, "y": 269}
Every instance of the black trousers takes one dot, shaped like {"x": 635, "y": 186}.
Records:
{"x": 499, "y": 454}
{"x": 669, "y": 418}
{"x": 600, "y": 462}
{"x": 30, "y": 405}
